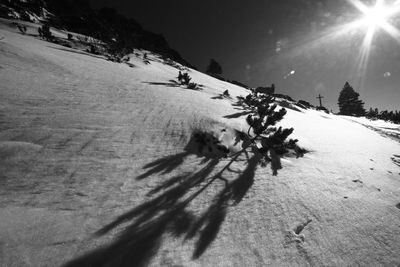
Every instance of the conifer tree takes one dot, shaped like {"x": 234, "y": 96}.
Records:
{"x": 264, "y": 139}
{"x": 348, "y": 102}
{"x": 214, "y": 68}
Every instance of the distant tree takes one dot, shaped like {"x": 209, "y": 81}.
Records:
{"x": 372, "y": 113}
{"x": 348, "y": 102}
{"x": 304, "y": 104}
{"x": 324, "y": 109}
{"x": 93, "y": 49}
{"x": 397, "y": 117}
{"x": 266, "y": 90}
{"x": 45, "y": 33}
{"x": 214, "y": 68}
{"x": 375, "y": 113}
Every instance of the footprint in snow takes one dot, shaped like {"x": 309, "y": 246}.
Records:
{"x": 300, "y": 227}
{"x": 296, "y": 235}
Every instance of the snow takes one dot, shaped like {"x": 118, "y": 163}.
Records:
{"x": 77, "y": 130}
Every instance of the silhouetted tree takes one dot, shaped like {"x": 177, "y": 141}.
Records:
{"x": 266, "y": 90}
{"x": 93, "y": 49}
{"x": 348, "y": 102}
{"x": 214, "y": 68}
{"x": 184, "y": 78}
{"x": 267, "y": 141}
{"x": 45, "y": 33}
{"x": 393, "y": 116}
{"x": 372, "y": 113}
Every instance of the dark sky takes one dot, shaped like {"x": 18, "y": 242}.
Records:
{"x": 286, "y": 42}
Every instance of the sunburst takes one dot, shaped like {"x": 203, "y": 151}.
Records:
{"x": 374, "y": 18}
{"x": 377, "y": 17}
{"x": 380, "y": 16}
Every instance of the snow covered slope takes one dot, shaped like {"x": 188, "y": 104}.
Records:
{"x": 84, "y": 140}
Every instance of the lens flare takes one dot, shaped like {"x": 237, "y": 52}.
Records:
{"x": 373, "y": 18}
{"x": 380, "y": 16}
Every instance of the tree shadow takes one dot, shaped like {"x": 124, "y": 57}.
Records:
{"x": 237, "y": 115}
{"x": 33, "y": 35}
{"x": 222, "y": 96}
{"x": 396, "y": 159}
{"x": 246, "y": 110}
{"x": 289, "y": 105}
{"x": 168, "y": 213}
{"x": 77, "y": 52}
{"x": 243, "y": 109}
{"x": 173, "y": 83}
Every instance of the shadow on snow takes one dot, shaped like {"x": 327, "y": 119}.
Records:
{"x": 167, "y": 214}
{"x": 173, "y": 83}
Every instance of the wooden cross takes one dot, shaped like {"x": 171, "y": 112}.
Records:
{"x": 320, "y": 97}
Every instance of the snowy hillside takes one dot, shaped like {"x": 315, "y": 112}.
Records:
{"x": 85, "y": 142}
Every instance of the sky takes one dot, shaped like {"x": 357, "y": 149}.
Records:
{"x": 295, "y": 44}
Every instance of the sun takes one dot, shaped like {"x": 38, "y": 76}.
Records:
{"x": 373, "y": 18}
{"x": 381, "y": 15}
{"x": 376, "y": 15}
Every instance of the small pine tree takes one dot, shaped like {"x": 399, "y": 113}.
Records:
{"x": 214, "y": 68}
{"x": 348, "y": 102}
{"x": 45, "y": 33}
{"x": 184, "y": 78}
{"x": 266, "y": 141}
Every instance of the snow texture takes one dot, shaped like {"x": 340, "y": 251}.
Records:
{"x": 84, "y": 141}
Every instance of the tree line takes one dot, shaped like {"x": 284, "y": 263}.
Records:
{"x": 350, "y": 104}
{"x": 393, "y": 116}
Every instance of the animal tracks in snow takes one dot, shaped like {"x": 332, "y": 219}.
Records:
{"x": 295, "y": 235}
{"x": 299, "y": 228}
